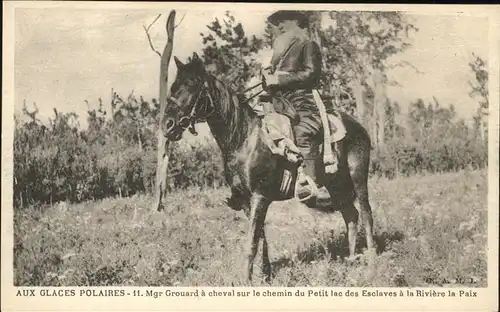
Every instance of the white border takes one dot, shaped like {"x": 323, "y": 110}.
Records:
{"x": 487, "y": 297}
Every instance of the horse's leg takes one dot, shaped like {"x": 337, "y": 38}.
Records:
{"x": 351, "y": 215}
{"x": 266, "y": 263}
{"x": 362, "y": 200}
{"x": 359, "y": 161}
{"x": 256, "y": 216}
{"x": 341, "y": 195}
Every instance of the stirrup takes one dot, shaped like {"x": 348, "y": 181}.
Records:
{"x": 312, "y": 186}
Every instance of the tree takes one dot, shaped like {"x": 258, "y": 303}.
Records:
{"x": 96, "y": 120}
{"x": 229, "y": 53}
{"x": 356, "y": 50}
{"x": 479, "y": 91}
{"x": 163, "y": 142}
{"x": 392, "y": 128}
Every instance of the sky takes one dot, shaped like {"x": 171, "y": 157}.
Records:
{"x": 64, "y": 57}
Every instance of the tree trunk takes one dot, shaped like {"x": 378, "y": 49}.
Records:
{"x": 161, "y": 170}
{"x": 484, "y": 128}
{"x": 360, "y": 102}
{"x": 163, "y": 143}
{"x": 373, "y": 122}
{"x": 139, "y": 140}
{"x": 379, "y": 106}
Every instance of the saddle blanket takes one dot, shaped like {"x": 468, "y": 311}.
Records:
{"x": 278, "y": 126}
{"x": 279, "y": 133}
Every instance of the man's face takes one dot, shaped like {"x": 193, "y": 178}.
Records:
{"x": 286, "y": 25}
{"x": 276, "y": 31}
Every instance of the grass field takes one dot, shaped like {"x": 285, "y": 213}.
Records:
{"x": 430, "y": 230}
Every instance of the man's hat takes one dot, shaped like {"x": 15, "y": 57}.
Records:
{"x": 279, "y": 16}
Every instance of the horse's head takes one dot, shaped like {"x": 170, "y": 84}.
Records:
{"x": 190, "y": 100}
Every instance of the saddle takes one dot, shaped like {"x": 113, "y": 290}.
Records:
{"x": 278, "y": 131}
{"x": 280, "y": 139}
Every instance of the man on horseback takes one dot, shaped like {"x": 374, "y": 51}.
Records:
{"x": 294, "y": 73}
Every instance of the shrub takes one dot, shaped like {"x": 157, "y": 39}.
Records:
{"x": 61, "y": 162}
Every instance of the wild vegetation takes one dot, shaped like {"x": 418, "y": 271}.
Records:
{"x": 431, "y": 230}
{"x": 117, "y": 156}
{"x": 116, "y": 153}
{"x": 81, "y": 194}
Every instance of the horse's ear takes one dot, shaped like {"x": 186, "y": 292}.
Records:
{"x": 178, "y": 62}
{"x": 198, "y": 62}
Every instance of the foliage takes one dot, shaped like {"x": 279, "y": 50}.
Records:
{"x": 229, "y": 53}
{"x": 479, "y": 91}
{"x": 430, "y": 230}
{"x": 432, "y": 139}
{"x": 479, "y": 88}
{"x": 113, "y": 157}
{"x": 117, "y": 157}
{"x": 116, "y": 154}
{"x": 356, "y": 43}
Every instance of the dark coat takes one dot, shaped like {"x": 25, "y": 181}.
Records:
{"x": 302, "y": 64}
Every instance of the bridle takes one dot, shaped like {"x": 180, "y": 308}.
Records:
{"x": 189, "y": 121}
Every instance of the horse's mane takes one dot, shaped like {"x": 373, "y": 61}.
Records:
{"x": 233, "y": 111}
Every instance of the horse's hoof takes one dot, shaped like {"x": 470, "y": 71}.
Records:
{"x": 232, "y": 203}
{"x": 319, "y": 203}
{"x": 247, "y": 279}
{"x": 267, "y": 273}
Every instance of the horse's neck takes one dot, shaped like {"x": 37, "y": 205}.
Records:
{"x": 231, "y": 123}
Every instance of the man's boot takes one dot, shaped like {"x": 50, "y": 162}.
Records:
{"x": 307, "y": 180}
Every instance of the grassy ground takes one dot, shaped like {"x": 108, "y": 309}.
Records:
{"x": 430, "y": 230}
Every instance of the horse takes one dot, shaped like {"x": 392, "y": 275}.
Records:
{"x": 251, "y": 170}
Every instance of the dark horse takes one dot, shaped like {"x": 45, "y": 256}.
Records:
{"x": 252, "y": 171}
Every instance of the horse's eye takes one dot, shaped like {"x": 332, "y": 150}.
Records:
{"x": 191, "y": 83}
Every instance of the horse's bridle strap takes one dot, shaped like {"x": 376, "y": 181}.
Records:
{"x": 187, "y": 121}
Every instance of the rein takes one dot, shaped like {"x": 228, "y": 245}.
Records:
{"x": 253, "y": 87}
{"x": 253, "y": 96}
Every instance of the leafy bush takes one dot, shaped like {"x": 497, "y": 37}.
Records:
{"x": 61, "y": 162}
{"x": 116, "y": 154}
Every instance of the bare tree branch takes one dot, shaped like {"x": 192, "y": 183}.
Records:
{"x": 406, "y": 63}
{"x": 152, "y": 23}
{"x": 146, "y": 29}
{"x": 180, "y": 20}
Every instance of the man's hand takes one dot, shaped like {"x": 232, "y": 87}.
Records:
{"x": 271, "y": 80}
